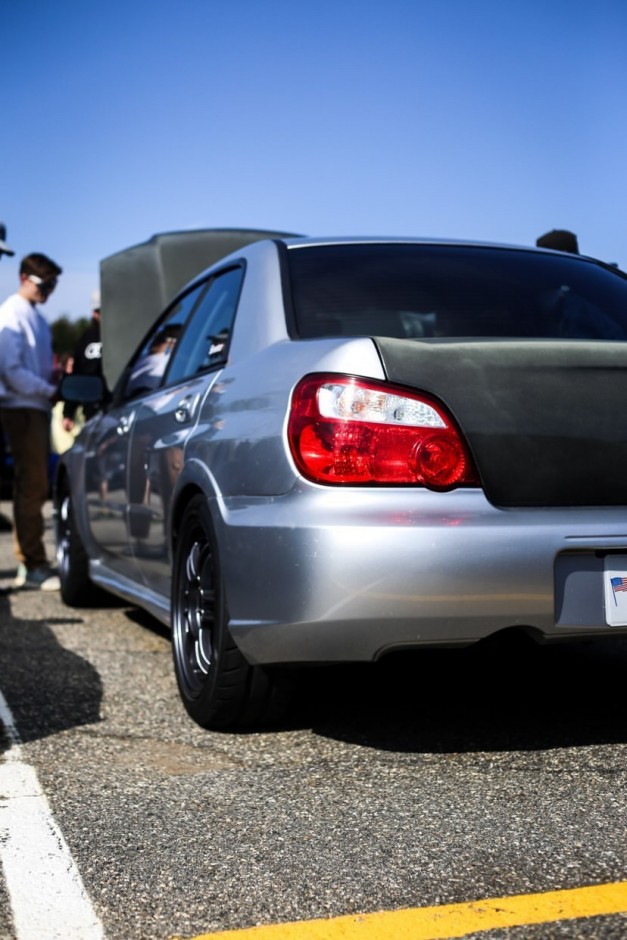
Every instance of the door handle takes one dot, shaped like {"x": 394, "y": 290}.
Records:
{"x": 183, "y": 411}
{"x": 124, "y": 424}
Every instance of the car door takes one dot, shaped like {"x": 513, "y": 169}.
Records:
{"x": 105, "y": 486}
{"x": 165, "y": 419}
{"x": 111, "y": 479}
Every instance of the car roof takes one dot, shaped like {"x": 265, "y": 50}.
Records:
{"x": 308, "y": 241}
{"x": 305, "y": 241}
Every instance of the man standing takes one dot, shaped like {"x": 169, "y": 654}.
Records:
{"x": 27, "y": 388}
{"x": 87, "y": 360}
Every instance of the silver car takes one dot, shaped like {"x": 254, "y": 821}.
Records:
{"x": 325, "y": 450}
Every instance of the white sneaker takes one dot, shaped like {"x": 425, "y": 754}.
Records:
{"x": 20, "y": 578}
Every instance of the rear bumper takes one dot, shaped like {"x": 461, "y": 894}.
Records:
{"x": 333, "y": 575}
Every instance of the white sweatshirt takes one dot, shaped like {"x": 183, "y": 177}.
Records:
{"x": 26, "y": 367}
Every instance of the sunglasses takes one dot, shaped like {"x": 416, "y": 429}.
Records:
{"x": 46, "y": 285}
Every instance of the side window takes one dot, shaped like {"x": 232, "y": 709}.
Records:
{"x": 206, "y": 340}
{"x": 149, "y": 365}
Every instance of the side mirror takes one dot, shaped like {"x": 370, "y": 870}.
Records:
{"x": 82, "y": 389}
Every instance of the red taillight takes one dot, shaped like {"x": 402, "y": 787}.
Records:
{"x": 347, "y": 430}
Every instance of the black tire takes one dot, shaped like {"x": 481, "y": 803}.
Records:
{"x": 76, "y": 588}
{"x": 218, "y": 687}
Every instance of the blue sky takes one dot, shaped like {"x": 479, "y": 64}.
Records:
{"x": 457, "y": 118}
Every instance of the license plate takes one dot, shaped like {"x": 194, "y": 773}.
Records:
{"x": 615, "y": 587}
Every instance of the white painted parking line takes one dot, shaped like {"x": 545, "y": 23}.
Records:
{"x": 47, "y": 896}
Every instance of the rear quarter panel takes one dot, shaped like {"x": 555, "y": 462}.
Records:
{"x": 241, "y": 432}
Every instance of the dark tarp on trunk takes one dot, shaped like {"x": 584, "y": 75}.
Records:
{"x": 545, "y": 420}
{"x": 138, "y": 283}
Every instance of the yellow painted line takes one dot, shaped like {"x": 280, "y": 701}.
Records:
{"x": 450, "y": 920}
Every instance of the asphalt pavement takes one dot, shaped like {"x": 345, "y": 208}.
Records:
{"x": 427, "y": 779}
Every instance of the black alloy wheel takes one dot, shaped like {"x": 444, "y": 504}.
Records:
{"x": 73, "y": 564}
{"x": 218, "y": 687}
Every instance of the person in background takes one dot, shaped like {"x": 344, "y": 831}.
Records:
{"x": 27, "y": 389}
{"x": 560, "y": 239}
{"x": 4, "y": 248}
{"x": 60, "y": 438}
{"x": 5, "y": 524}
{"x": 86, "y": 360}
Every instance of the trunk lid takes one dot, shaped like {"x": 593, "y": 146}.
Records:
{"x": 545, "y": 420}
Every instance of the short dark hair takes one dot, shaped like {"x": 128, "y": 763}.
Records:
{"x": 560, "y": 239}
{"x": 40, "y": 265}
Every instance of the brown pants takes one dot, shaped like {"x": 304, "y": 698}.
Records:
{"x": 27, "y": 431}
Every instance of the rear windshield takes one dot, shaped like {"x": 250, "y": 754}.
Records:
{"x": 424, "y": 291}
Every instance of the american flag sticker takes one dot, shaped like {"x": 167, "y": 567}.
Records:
{"x": 618, "y": 584}
{"x": 615, "y": 588}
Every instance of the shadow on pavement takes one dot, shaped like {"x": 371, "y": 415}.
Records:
{"x": 47, "y": 687}
{"x": 145, "y": 620}
{"x": 505, "y": 694}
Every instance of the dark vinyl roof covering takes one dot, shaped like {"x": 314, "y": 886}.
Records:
{"x": 139, "y": 282}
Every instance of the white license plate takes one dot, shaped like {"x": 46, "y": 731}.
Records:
{"x": 615, "y": 587}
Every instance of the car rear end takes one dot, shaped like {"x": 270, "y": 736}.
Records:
{"x": 465, "y": 479}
